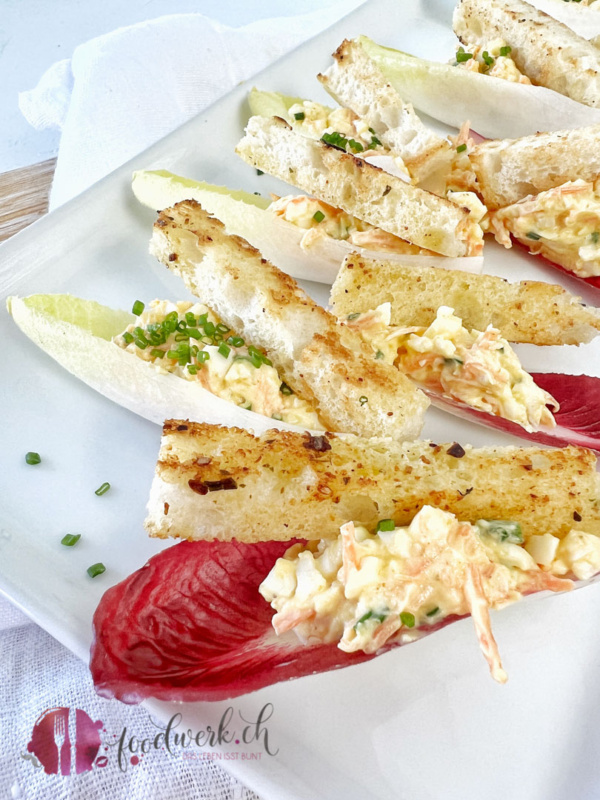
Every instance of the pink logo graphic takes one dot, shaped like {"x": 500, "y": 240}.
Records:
{"x": 66, "y": 741}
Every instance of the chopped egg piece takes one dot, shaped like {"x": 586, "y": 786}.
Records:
{"x": 190, "y": 341}
{"x": 478, "y": 368}
{"x": 578, "y": 553}
{"x": 389, "y": 585}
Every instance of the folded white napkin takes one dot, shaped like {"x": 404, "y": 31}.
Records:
{"x": 121, "y": 92}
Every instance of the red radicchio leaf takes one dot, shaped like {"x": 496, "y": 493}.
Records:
{"x": 577, "y": 422}
{"x": 190, "y": 625}
{"x": 594, "y": 281}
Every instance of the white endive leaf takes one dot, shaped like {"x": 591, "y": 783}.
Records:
{"x": 273, "y": 104}
{"x": 279, "y": 241}
{"x": 495, "y": 108}
{"x": 77, "y": 333}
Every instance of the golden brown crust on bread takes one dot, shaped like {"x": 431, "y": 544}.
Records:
{"x": 530, "y": 311}
{"x": 224, "y": 483}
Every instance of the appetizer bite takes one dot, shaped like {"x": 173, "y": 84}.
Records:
{"x": 305, "y": 237}
{"x": 352, "y": 592}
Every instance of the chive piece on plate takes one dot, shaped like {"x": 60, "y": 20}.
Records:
{"x": 32, "y": 458}
{"x": 102, "y": 489}
{"x": 96, "y": 569}
{"x": 138, "y": 307}
{"x": 70, "y": 539}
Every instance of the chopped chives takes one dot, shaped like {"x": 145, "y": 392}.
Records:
{"x": 190, "y": 319}
{"x": 193, "y": 333}
{"x": 379, "y": 354}
{"x": 224, "y": 350}
{"x": 182, "y": 337}
{"x": 138, "y": 307}
{"x": 408, "y": 619}
{"x": 209, "y": 328}
{"x": 385, "y": 525}
{"x": 318, "y": 216}
{"x": 533, "y": 235}
{"x": 70, "y": 539}
{"x": 504, "y": 51}
{"x": 299, "y": 115}
{"x": 374, "y": 142}
{"x": 355, "y": 146}
{"x": 32, "y": 458}
{"x": 595, "y": 237}
{"x": 487, "y": 58}
{"x": 461, "y": 148}
{"x": 222, "y": 328}
{"x": 202, "y": 356}
{"x": 236, "y": 341}
{"x": 285, "y": 389}
{"x": 96, "y": 569}
{"x": 259, "y": 172}
{"x": 192, "y": 369}
{"x": 433, "y": 611}
{"x": 102, "y": 489}
{"x": 461, "y": 56}
{"x": 157, "y": 353}
{"x": 363, "y": 399}
{"x": 127, "y": 337}
{"x": 355, "y": 315}
{"x": 335, "y": 139}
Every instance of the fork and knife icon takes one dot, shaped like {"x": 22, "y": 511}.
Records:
{"x": 66, "y": 730}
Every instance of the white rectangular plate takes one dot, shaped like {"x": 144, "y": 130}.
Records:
{"x": 425, "y": 721}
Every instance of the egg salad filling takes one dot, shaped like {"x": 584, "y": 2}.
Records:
{"x": 477, "y": 368}
{"x": 189, "y": 340}
{"x": 490, "y": 59}
{"x": 562, "y": 224}
{"x": 320, "y": 219}
{"x": 364, "y": 590}
{"x": 341, "y": 128}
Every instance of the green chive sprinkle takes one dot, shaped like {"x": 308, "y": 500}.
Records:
{"x": 285, "y": 389}
{"x": 407, "y": 619}
{"x": 462, "y": 57}
{"x": 193, "y": 333}
{"x": 595, "y": 237}
{"x": 32, "y": 458}
{"x": 374, "y": 142}
{"x": 504, "y": 51}
{"x": 461, "y": 148}
{"x": 192, "y": 369}
{"x": 362, "y": 400}
{"x": 236, "y": 341}
{"x": 379, "y": 354}
{"x": 385, "y": 525}
{"x": 96, "y": 569}
{"x": 70, "y": 539}
{"x": 157, "y": 353}
{"x": 222, "y": 328}
{"x": 355, "y": 315}
{"x": 299, "y": 115}
{"x": 318, "y": 216}
{"x": 533, "y": 235}
{"x": 487, "y": 58}
{"x": 335, "y": 139}
{"x": 433, "y": 611}
{"x": 138, "y": 307}
{"x": 259, "y": 172}
{"x": 102, "y": 489}
{"x": 224, "y": 350}
{"x": 127, "y": 337}
{"x": 355, "y": 146}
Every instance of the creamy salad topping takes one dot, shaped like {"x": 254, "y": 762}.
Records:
{"x": 320, "y": 219}
{"x": 477, "y": 368}
{"x": 563, "y": 223}
{"x": 364, "y": 590}
{"x": 189, "y": 340}
{"x": 490, "y": 59}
